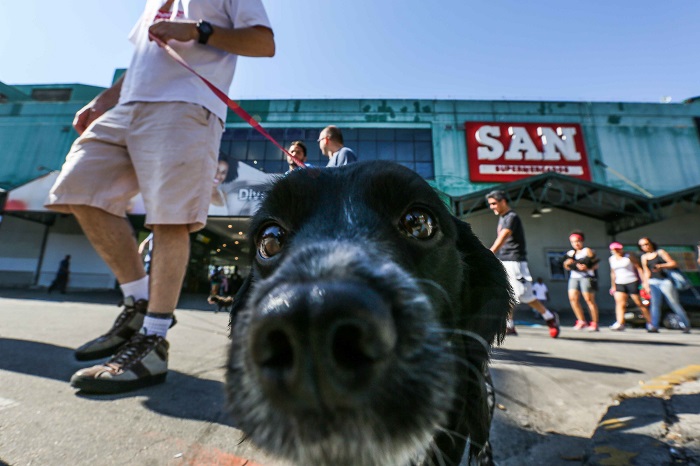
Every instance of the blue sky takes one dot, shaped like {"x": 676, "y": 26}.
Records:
{"x": 615, "y": 50}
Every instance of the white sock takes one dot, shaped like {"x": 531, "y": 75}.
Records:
{"x": 137, "y": 289}
{"x": 510, "y": 323}
{"x": 156, "y": 324}
{"x": 547, "y": 315}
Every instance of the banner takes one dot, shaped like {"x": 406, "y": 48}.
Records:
{"x": 501, "y": 152}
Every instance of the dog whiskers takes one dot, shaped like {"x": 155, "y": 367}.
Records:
{"x": 442, "y": 293}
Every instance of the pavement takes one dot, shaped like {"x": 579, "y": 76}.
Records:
{"x": 184, "y": 422}
{"x": 656, "y": 423}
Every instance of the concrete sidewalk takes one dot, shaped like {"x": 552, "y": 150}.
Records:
{"x": 657, "y": 423}
{"x": 184, "y": 421}
{"x": 44, "y": 421}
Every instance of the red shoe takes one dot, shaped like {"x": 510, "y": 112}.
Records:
{"x": 592, "y": 327}
{"x": 553, "y": 325}
{"x": 511, "y": 331}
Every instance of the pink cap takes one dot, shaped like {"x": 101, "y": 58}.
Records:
{"x": 616, "y": 245}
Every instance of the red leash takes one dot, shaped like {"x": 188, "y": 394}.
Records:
{"x": 221, "y": 95}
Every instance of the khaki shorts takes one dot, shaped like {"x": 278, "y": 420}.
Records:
{"x": 168, "y": 151}
{"x": 520, "y": 280}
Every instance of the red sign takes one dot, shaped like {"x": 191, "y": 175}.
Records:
{"x": 500, "y": 152}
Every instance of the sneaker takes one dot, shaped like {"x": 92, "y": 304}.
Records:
{"x": 141, "y": 362}
{"x": 617, "y": 327}
{"x": 128, "y": 322}
{"x": 553, "y": 325}
{"x": 652, "y": 329}
{"x": 580, "y": 325}
{"x": 511, "y": 331}
{"x": 592, "y": 327}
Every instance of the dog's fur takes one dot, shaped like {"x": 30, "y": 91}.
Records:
{"x": 356, "y": 342}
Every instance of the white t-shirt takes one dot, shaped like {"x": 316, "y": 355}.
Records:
{"x": 625, "y": 271}
{"x": 153, "y": 76}
{"x": 540, "y": 290}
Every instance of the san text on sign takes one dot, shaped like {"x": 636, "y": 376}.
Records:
{"x": 502, "y": 152}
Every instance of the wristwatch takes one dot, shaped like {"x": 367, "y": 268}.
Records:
{"x": 205, "y": 30}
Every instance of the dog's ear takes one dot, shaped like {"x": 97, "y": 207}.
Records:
{"x": 239, "y": 301}
{"x": 487, "y": 297}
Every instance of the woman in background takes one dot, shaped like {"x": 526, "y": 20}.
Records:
{"x": 655, "y": 262}
{"x": 625, "y": 273}
{"x": 582, "y": 263}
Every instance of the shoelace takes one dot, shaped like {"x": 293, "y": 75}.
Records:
{"x": 133, "y": 350}
{"x": 124, "y": 315}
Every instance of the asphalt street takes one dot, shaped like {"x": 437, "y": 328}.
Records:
{"x": 585, "y": 398}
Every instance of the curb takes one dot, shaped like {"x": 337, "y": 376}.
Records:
{"x": 656, "y": 423}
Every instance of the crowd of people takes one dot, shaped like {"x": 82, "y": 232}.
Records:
{"x": 647, "y": 279}
{"x": 653, "y": 274}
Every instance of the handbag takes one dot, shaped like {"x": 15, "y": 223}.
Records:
{"x": 680, "y": 281}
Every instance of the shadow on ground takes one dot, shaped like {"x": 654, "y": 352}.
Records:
{"x": 541, "y": 359}
{"x": 182, "y": 396}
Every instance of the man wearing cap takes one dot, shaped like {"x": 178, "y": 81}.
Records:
{"x": 509, "y": 247}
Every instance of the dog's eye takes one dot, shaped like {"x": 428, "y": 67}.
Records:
{"x": 418, "y": 224}
{"x": 271, "y": 240}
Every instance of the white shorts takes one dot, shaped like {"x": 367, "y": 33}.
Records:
{"x": 166, "y": 150}
{"x": 520, "y": 280}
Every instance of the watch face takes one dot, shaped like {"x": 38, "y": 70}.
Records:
{"x": 205, "y": 28}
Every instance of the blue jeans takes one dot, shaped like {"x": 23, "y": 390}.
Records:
{"x": 664, "y": 288}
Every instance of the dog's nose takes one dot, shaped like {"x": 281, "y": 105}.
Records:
{"x": 322, "y": 345}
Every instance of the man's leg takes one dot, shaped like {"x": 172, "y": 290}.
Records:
{"x": 143, "y": 360}
{"x": 114, "y": 240}
{"x": 551, "y": 318}
{"x": 171, "y": 251}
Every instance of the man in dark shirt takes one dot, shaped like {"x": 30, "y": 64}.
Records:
{"x": 509, "y": 247}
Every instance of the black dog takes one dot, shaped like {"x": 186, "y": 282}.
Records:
{"x": 362, "y": 335}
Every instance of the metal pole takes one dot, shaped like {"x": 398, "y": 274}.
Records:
{"x": 624, "y": 178}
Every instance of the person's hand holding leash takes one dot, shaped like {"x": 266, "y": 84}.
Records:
{"x": 181, "y": 31}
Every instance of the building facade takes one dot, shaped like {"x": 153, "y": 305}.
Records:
{"x": 614, "y": 170}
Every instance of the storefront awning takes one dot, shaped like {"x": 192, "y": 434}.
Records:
{"x": 620, "y": 210}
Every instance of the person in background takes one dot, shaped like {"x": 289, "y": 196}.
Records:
{"x": 582, "y": 262}
{"x": 509, "y": 247}
{"x": 541, "y": 291}
{"x": 330, "y": 141}
{"x": 62, "y": 275}
{"x": 146, "y": 251}
{"x": 215, "y": 280}
{"x": 625, "y": 274}
{"x": 173, "y": 124}
{"x": 298, "y": 150}
{"x": 218, "y": 197}
{"x": 655, "y": 262}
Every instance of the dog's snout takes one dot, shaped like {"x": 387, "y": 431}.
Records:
{"x": 321, "y": 345}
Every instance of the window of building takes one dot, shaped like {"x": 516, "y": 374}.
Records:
{"x": 51, "y": 95}
{"x": 412, "y": 148}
